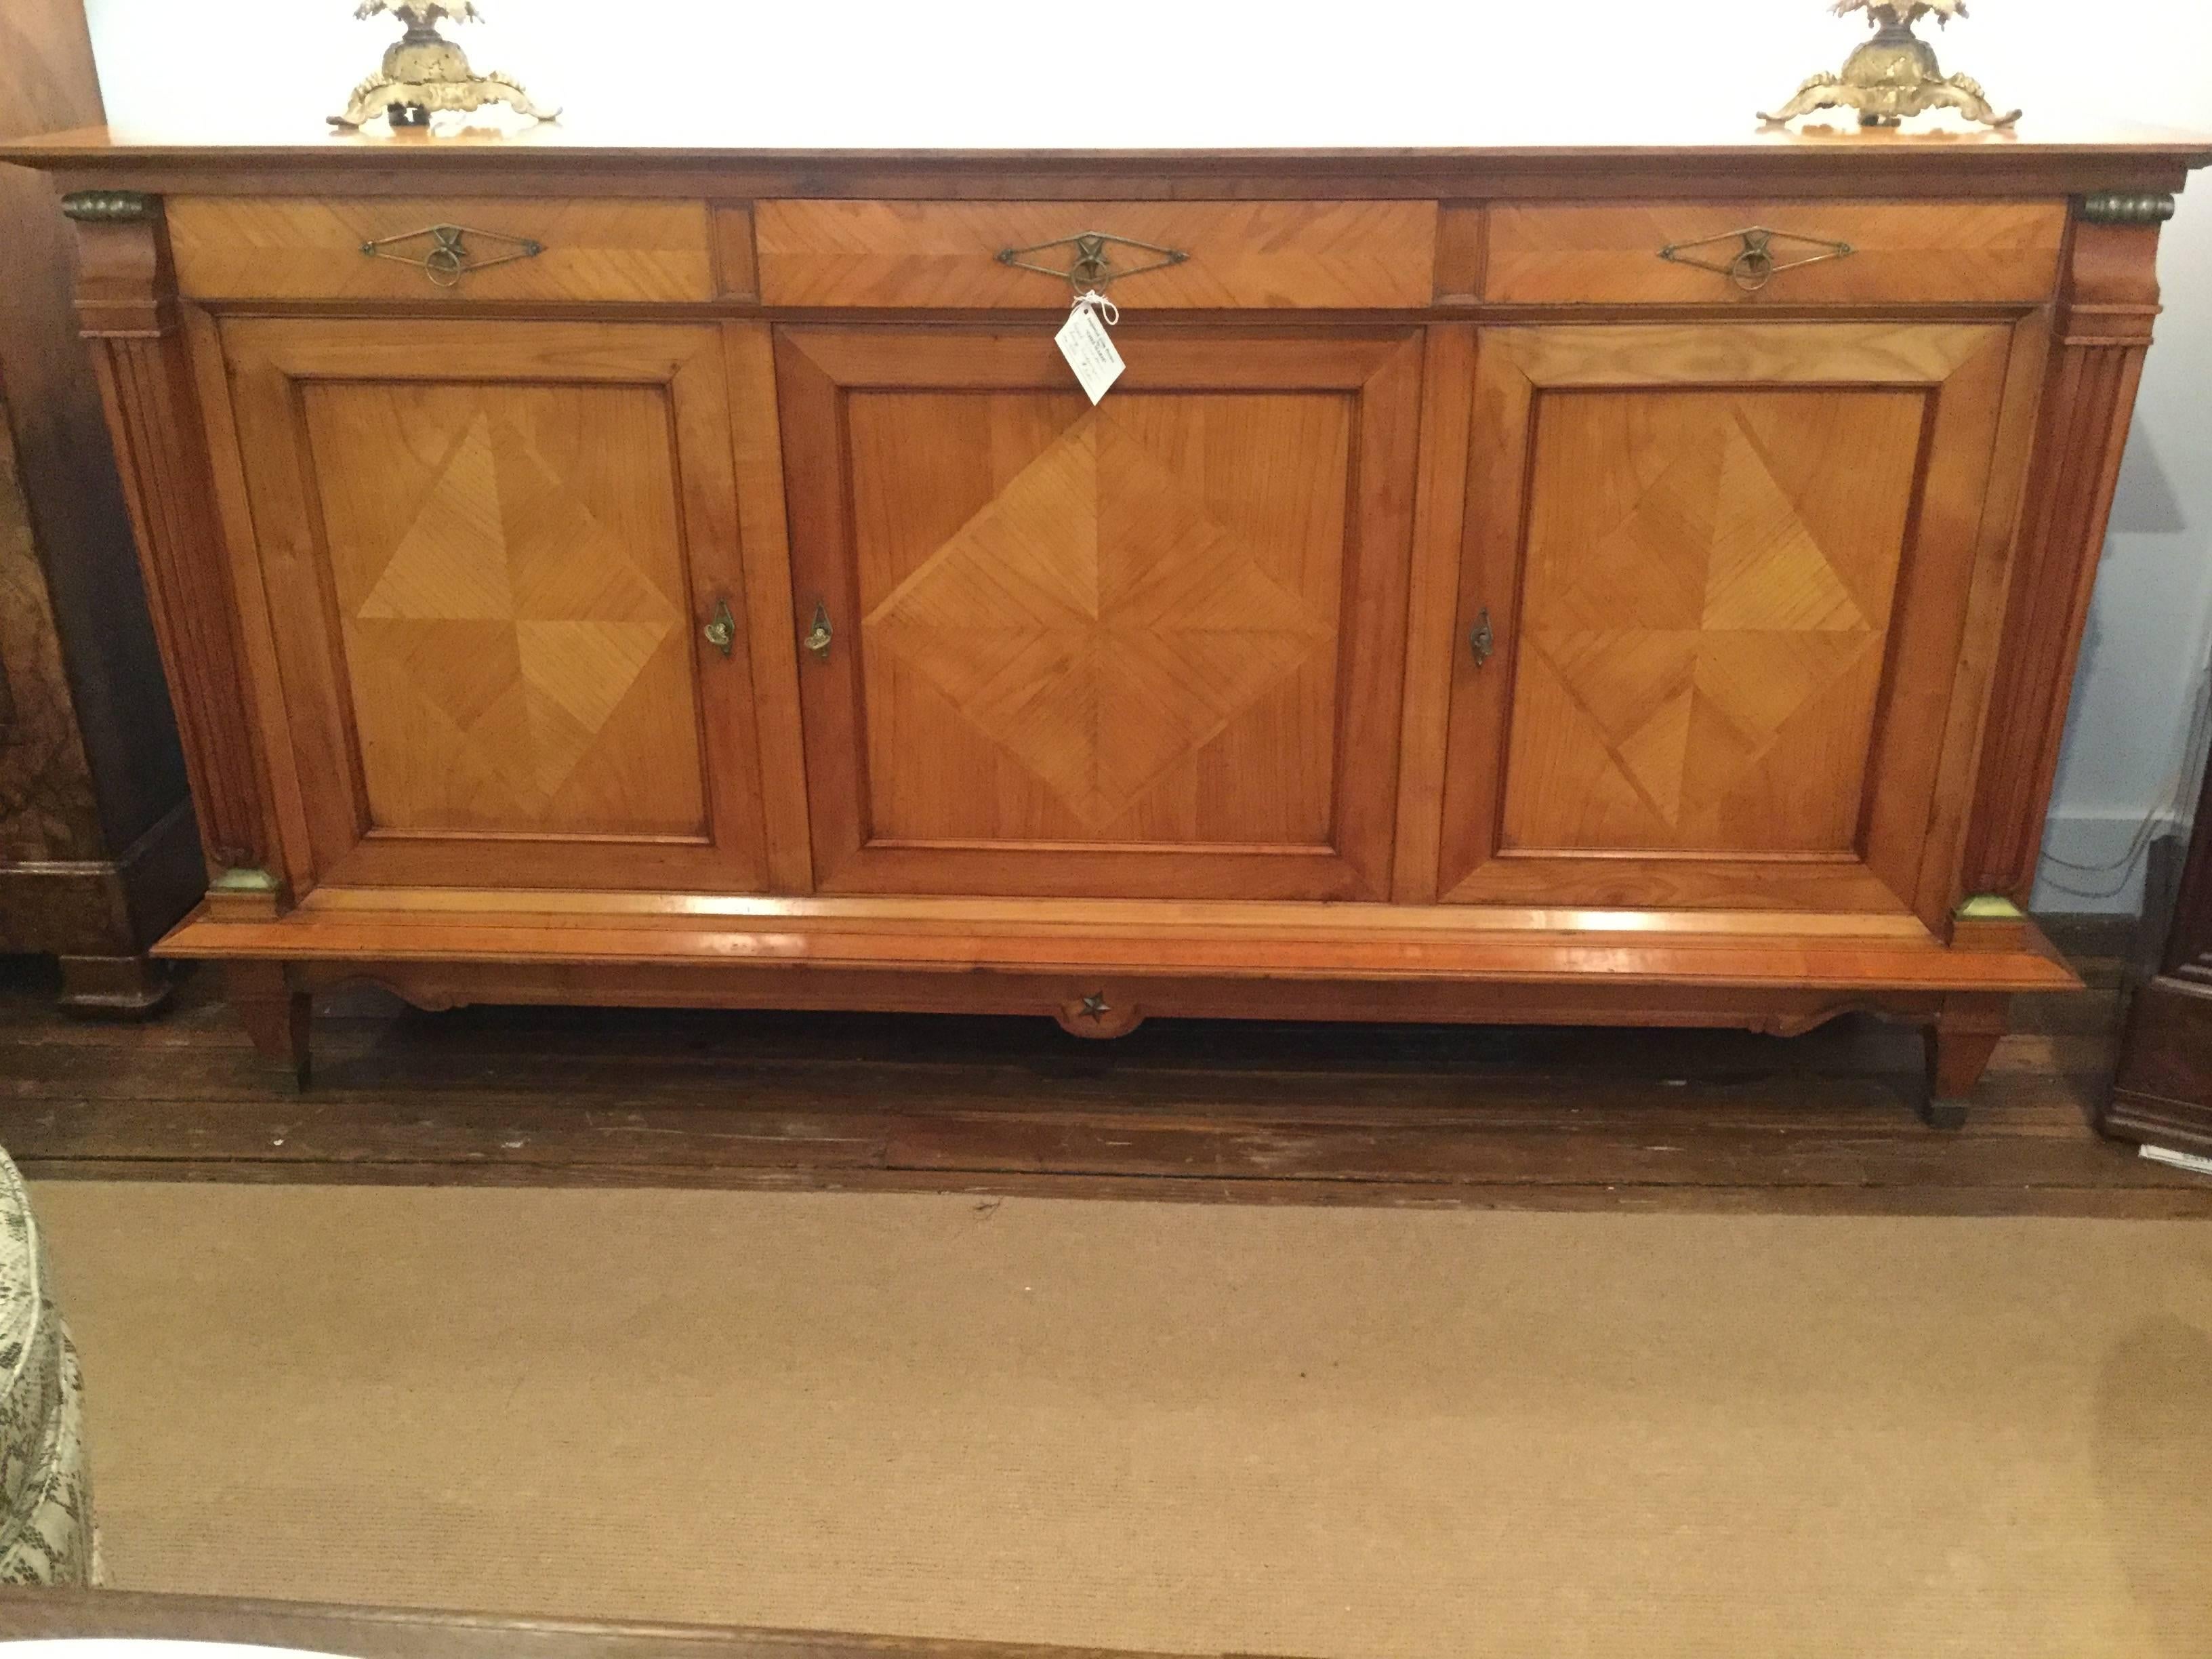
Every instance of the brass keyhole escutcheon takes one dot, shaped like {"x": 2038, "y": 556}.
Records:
{"x": 721, "y": 628}
{"x": 819, "y": 636}
{"x": 1480, "y": 640}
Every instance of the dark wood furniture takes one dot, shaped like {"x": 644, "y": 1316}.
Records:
{"x": 1505, "y": 586}
{"x": 2162, "y": 1091}
{"x": 411, "y": 1633}
{"x": 98, "y": 856}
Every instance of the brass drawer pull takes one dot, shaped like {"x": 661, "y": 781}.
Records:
{"x": 721, "y": 629}
{"x": 818, "y": 637}
{"x": 1093, "y": 267}
{"x": 1756, "y": 264}
{"x": 449, "y": 257}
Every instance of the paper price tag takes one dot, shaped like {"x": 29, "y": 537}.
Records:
{"x": 1083, "y": 340}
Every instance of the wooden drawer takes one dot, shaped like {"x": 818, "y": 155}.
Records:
{"x": 1917, "y": 251}
{"x": 303, "y": 248}
{"x": 1238, "y": 254}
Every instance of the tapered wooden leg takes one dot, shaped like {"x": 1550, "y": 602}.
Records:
{"x": 277, "y": 1018}
{"x": 1959, "y": 1043}
{"x": 114, "y": 988}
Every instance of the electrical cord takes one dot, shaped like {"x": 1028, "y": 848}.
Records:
{"x": 2181, "y": 789}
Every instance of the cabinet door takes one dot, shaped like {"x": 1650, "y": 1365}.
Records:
{"x": 1727, "y": 572}
{"x": 488, "y": 551}
{"x": 1148, "y": 649}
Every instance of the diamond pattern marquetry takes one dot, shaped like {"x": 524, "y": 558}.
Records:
{"x": 1708, "y": 594}
{"x": 1140, "y": 608}
{"x": 513, "y": 605}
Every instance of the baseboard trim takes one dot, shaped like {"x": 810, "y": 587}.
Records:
{"x": 2092, "y": 934}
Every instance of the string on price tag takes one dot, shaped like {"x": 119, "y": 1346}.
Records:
{"x": 1083, "y": 340}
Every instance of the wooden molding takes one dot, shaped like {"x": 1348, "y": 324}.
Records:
{"x": 2111, "y": 296}
{"x": 1382, "y": 945}
{"x": 736, "y": 263}
{"x": 127, "y": 306}
{"x": 1779, "y": 1011}
{"x": 1869, "y": 167}
{"x": 1462, "y": 251}
{"x": 2102, "y": 329}
{"x": 1100, "y": 968}
{"x": 126, "y": 287}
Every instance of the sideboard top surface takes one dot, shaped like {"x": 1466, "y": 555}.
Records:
{"x": 560, "y": 156}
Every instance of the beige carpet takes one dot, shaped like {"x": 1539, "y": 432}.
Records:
{"x": 1294, "y": 1431}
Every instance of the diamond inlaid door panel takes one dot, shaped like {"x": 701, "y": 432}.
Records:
{"x": 488, "y": 550}
{"x": 508, "y": 570}
{"x": 1103, "y": 650}
{"x": 1703, "y": 614}
{"x": 1729, "y": 568}
{"x": 1104, "y": 621}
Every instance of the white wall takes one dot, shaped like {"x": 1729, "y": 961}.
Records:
{"x": 1170, "y": 72}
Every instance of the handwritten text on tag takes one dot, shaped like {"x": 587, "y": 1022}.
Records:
{"x": 1083, "y": 340}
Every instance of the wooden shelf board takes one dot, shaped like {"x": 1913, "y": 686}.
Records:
{"x": 1358, "y": 943}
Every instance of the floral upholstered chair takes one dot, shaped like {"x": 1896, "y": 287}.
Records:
{"x": 46, "y": 1533}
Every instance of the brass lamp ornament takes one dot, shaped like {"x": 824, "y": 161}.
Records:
{"x": 424, "y": 72}
{"x": 1895, "y": 73}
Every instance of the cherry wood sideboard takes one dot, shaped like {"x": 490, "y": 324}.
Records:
{"x": 1633, "y": 586}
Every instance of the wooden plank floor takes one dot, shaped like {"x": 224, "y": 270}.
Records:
{"x": 1199, "y": 1111}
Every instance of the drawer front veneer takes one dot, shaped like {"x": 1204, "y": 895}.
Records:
{"x": 1901, "y": 252}
{"x": 1256, "y": 255}
{"x": 299, "y": 248}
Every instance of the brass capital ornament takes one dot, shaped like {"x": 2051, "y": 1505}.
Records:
{"x": 1895, "y": 74}
{"x": 107, "y": 207}
{"x": 2116, "y": 208}
{"x": 424, "y": 72}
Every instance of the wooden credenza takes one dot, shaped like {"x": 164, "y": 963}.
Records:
{"x": 1517, "y": 585}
